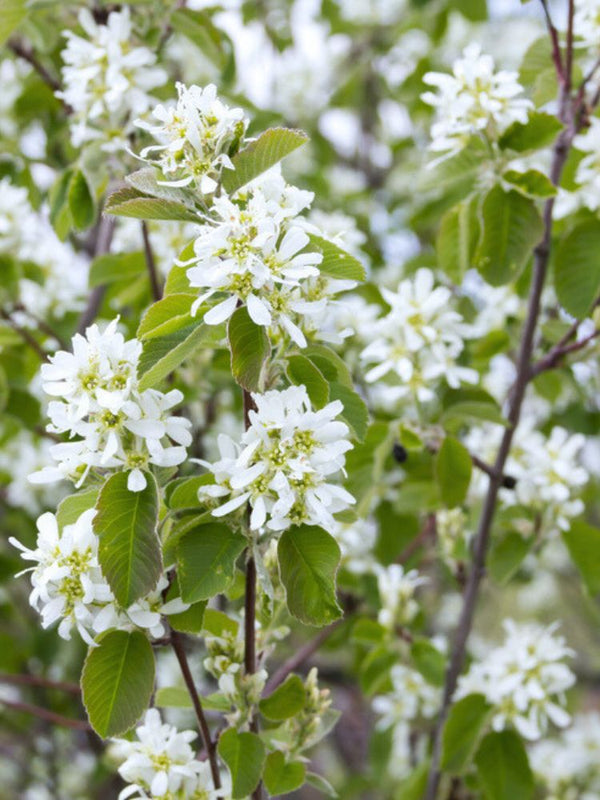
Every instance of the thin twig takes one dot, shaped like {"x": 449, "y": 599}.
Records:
{"x": 106, "y": 229}
{"x": 556, "y": 54}
{"x": 38, "y": 680}
{"x": 25, "y": 52}
{"x": 300, "y": 656}
{"x": 556, "y": 355}
{"x": 49, "y": 716}
{"x": 209, "y": 745}
{"x": 151, "y": 263}
{"x": 29, "y": 340}
{"x": 568, "y": 114}
{"x": 43, "y": 325}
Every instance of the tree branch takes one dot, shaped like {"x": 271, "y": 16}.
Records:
{"x": 106, "y": 229}
{"x": 151, "y": 263}
{"x": 559, "y": 352}
{"x": 25, "y": 52}
{"x": 209, "y": 746}
{"x": 556, "y": 54}
{"x": 567, "y": 113}
{"x": 29, "y": 340}
{"x": 38, "y": 680}
{"x": 49, "y": 716}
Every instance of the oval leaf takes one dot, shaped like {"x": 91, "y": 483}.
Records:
{"x": 244, "y": 754}
{"x": 206, "y": 558}
{"x": 453, "y": 467}
{"x": 117, "y": 681}
{"x": 250, "y": 348}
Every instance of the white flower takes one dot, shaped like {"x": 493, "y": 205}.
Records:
{"x": 357, "y": 541}
{"x": 418, "y": 342}
{"x": 197, "y": 136}
{"x": 587, "y": 175}
{"x": 524, "y": 679}
{"x": 397, "y": 595}
{"x": 283, "y": 465}
{"x": 161, "y": 762}
{"x": 107, "y": 80}
{"x": 68, "y": 584}
{"x": 19, "y": 457}
{"x": 119, "y": 426}
{"x": 474, "y": 99}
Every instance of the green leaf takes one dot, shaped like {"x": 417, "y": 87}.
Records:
{"x": 173, "y": 697}
{"x": 286, "y": 701}
{"x": 503, "y": 767}
{"x": 162, "y": 354}
{"x": 507, "y": 554}
{"x": 302, "y": 372}
{"x": 259, "y": 156}
{"x": 538, "y": 132}
{"x": 114, "y": 267}
{"x": 458, "y": 172}
{"x": 577, "y": 269}
{"x": 60, "y": 214}
{"x": 128, "y": 549}
{"x": 532, "y": 182}
{"x": 216, "y": 623}
{"x": 81, "y": 202}
{"x": 429, "y": 661}
{"x": 183, "y": 492}
{"x": 244, "y": 754}
{"x": 453, "y": 468}
{"x": 457, "y": 239}
{"x": 168, "y": 315}
{"x": 329, "y": 364}
{"x": 466, "y": 720}
{"x": 336, "y": 263}
{"x": 365, "y": 464}
{"x": 12, "y": 13}
{"x": 308, "y": 561}
{"x": 512, "y": 227}
{"x": 583, "y": 543}
{"x": 463, "y": 412}
{"x": 250, "y": 349}
{"x": 355, "y": 413}
{"x": 281, "y": 776}
{"x": 117, "y": 681}
{"x": 71, "y": 508}
{"x": 190, "y": 621}
{"x": 129, "y": 202}
{"x": 206, "y": 558}
{"x": 321, "y": 784}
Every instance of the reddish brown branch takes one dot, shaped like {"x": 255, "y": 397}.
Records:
{"x": 38, "y": 680}
{"x": 49, "y": 716}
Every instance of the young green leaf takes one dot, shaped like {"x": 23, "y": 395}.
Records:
{"x": 337, "y": 263}
{"x": 12, "y": 13}
{"x": 539, "y": 131}
{"x": 114, "y": 267}
{"x": 286, "y": 701}
{"x": 250, "y": 349}
{"x": 117, "y": 681}
{"x": 166, "y": 316}
{"x": 129, "y": 202}
{"x": 466, "y": 720}
{"x": 81, "y": 202}
{"x": 259, "y": 156}
{"x": 355, "y": 412}
{"x": 72, "y": 507}
{"x": 453, "y": 468}
{"x": 429, "y": 661}
{"x": 532, "y": 182}
{"x": 308, "y": 561}
{"x": 244, "y": 754}
{"x": 129, "y": 549}
{"x": 302, "y": 372}
{"x": 583, "y": 543}
{"x": 503, "y": 767}
{"x": 162, "y": 354}
{"x": 206, "y": 557}
{"x": 281, "y": 776}
{"x": 457, "y": 239}
{"x": 577, "y": 268}
{"x": 512, "y": 226}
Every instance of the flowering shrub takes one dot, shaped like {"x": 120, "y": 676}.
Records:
{"x": 299, "y": 399}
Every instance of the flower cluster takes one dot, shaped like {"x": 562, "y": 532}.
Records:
{"x": 569, "y": 766}
{"x": 546, "y": 469}
{"x": 475, "y": 99}
{"x": 397, "y": 595}
{"x": 162, "y": 764}
{"x": 411, "y": 698}
{"x": 107, "y": 80}
{"x": 197, "y": 137}
{"x": 68, "y": 584}
{"x": 417, "y": 343}
{"x": 302, "y": 730}
{"x": 524, "y": 679}
{"x": 120, "y": 427}
{"x": 283, "y": 464}
{"x": 253, "y": 251}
